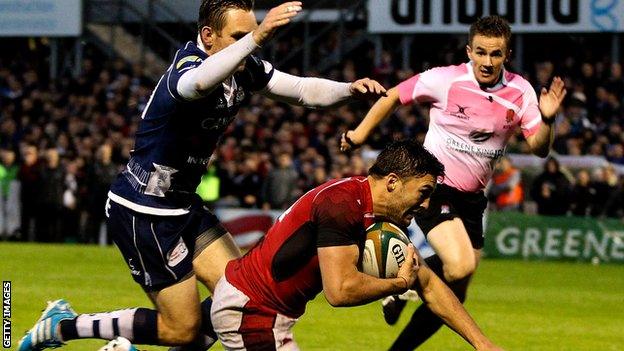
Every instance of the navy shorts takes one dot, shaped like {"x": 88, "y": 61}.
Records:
{"x": 159, "y": 250}
{"x": 447, "y": 203}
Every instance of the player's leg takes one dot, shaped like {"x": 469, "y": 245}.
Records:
{"x": 241, "y": 324}
{"x": 175, "y": 321}
{"x": 457, "y": 243}
{"x": 450, "y": 241}
{"x": 161, "y": 262}
{"x": 214, "y": 248}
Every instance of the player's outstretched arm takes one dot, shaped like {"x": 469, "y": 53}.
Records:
{"x": 317, "y": 92}
{"x": 344, "y": 285}
{"x": 380, "y": 111}
{"x": 200, "y": 81}
{"x": 276, "y": 17}
{"x": 549, "y": 102}
{"x": 441, "y": 301}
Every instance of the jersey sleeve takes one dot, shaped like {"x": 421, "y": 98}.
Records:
{"x": 424, "y": 87}
{"x": 338, "y": 218}
{"x": 530, "y": 115}
{"x": 259, "y": 72}
{"x": 184, "y": 61}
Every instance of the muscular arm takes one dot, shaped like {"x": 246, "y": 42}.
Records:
{"x": 441, "y": 301}
{"x": 344, "y": 285}
{"x": 380, "y": 111}
{"x": 198, "y": 82}
{"x": 541, "y": 142}
{"x": 309, "y": 92}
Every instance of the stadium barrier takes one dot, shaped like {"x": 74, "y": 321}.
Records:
{"x": 517, "y": 235}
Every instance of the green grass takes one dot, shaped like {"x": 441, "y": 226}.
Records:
{"x": 520, "y": 305}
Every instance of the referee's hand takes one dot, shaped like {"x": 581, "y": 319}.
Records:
{"x": 275, "y": 18}
{"x": 350, "y": 141}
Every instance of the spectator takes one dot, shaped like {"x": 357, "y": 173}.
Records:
{"x": 50, "y": 198}
{"x": 29, "y": 177}
{"x": 582, "y": 195}
{"x": 279, "y": 186}
{"x": 551, "y": 190}
{"x": 100, "y": 175}
{"x": 9, "y": 196}
{"x": 506, "y": 191}
{"x": 606, "y": 185}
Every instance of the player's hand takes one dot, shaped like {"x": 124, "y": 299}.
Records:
{"x": 367, "y": 88}
{"x": 551, "y": 99}
{"x": 350, "y": 140}
{"x": 275, "y": 18}
{"x": 409, "y": 269}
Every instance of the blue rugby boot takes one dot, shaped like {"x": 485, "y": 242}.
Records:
{"x": 44, "y": 334}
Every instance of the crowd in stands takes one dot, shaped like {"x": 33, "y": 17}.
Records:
{"x": 63, "y": 141}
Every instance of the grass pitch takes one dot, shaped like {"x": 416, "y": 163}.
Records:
{"x": 520, "y": 305}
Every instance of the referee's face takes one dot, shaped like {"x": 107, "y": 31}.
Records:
{"x": 238, "y": 23}
{"x": 488, "y": 55}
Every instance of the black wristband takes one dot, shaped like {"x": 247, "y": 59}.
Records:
{"x": 349, "y": 141}
{"x": 550, "y": 121}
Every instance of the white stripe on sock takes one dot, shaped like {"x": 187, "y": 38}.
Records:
{"x": 125, "y": 321}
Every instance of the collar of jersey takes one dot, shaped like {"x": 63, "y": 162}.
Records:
{"x": 501, "y": 82}
{"x": 200, "y": 45}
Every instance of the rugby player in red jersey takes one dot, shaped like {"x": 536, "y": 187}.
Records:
{"x": 316, "y": 244}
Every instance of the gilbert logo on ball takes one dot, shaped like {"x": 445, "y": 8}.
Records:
{"x": 384, "y": 250}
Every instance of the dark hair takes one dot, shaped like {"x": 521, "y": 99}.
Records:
{"x": 212, "y": 12}
{"x": 491, "y": 26}
{"x": 406, "y": 158}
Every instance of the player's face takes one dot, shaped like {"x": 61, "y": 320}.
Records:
{"x": 488, "y": 55}
{"x": 411, "y": 197}
{"x": 238, "y": 23}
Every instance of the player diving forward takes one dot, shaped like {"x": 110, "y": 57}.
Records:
{"x": 475, "y": 108}
{"x": 316, "y": 245}
{"x": 167, "y": 238}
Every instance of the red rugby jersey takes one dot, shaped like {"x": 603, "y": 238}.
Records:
{"x": 282, "y": 271}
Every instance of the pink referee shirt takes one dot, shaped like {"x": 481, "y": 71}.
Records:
{"x": 469, "y": 127}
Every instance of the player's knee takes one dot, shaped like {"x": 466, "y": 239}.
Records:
{"x": 179, "y": 332}
{"x": 459, "y": 271}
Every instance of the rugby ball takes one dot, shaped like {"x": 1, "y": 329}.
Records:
{"x": 384, "y": 251}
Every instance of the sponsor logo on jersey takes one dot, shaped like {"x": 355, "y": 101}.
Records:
{"x": 240, "y": 95}
{"x": 460, "y": 112}
{"x": 192, "y": 160}
{"x": 177, "y": 254}
{"x": 159, "y": 181}
{"x": 186, "y": 59}
{"x": 480, "y": 136}
{"x": 216, "y": 123}
{"x": 473, "y": 149}
{"x": 509, "y": 116}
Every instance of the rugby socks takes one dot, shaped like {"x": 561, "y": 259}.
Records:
{"x": 139, "y": 325}
{"x": 207, "y": 336}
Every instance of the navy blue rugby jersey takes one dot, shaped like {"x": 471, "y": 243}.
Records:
{"x": 176, "y": 137}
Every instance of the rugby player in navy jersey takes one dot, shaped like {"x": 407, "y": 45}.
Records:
{"x": 316, "y": 245}
{"x": 167, "y": 238}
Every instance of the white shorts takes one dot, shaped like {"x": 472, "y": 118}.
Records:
{"x": 242, "y": 324}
